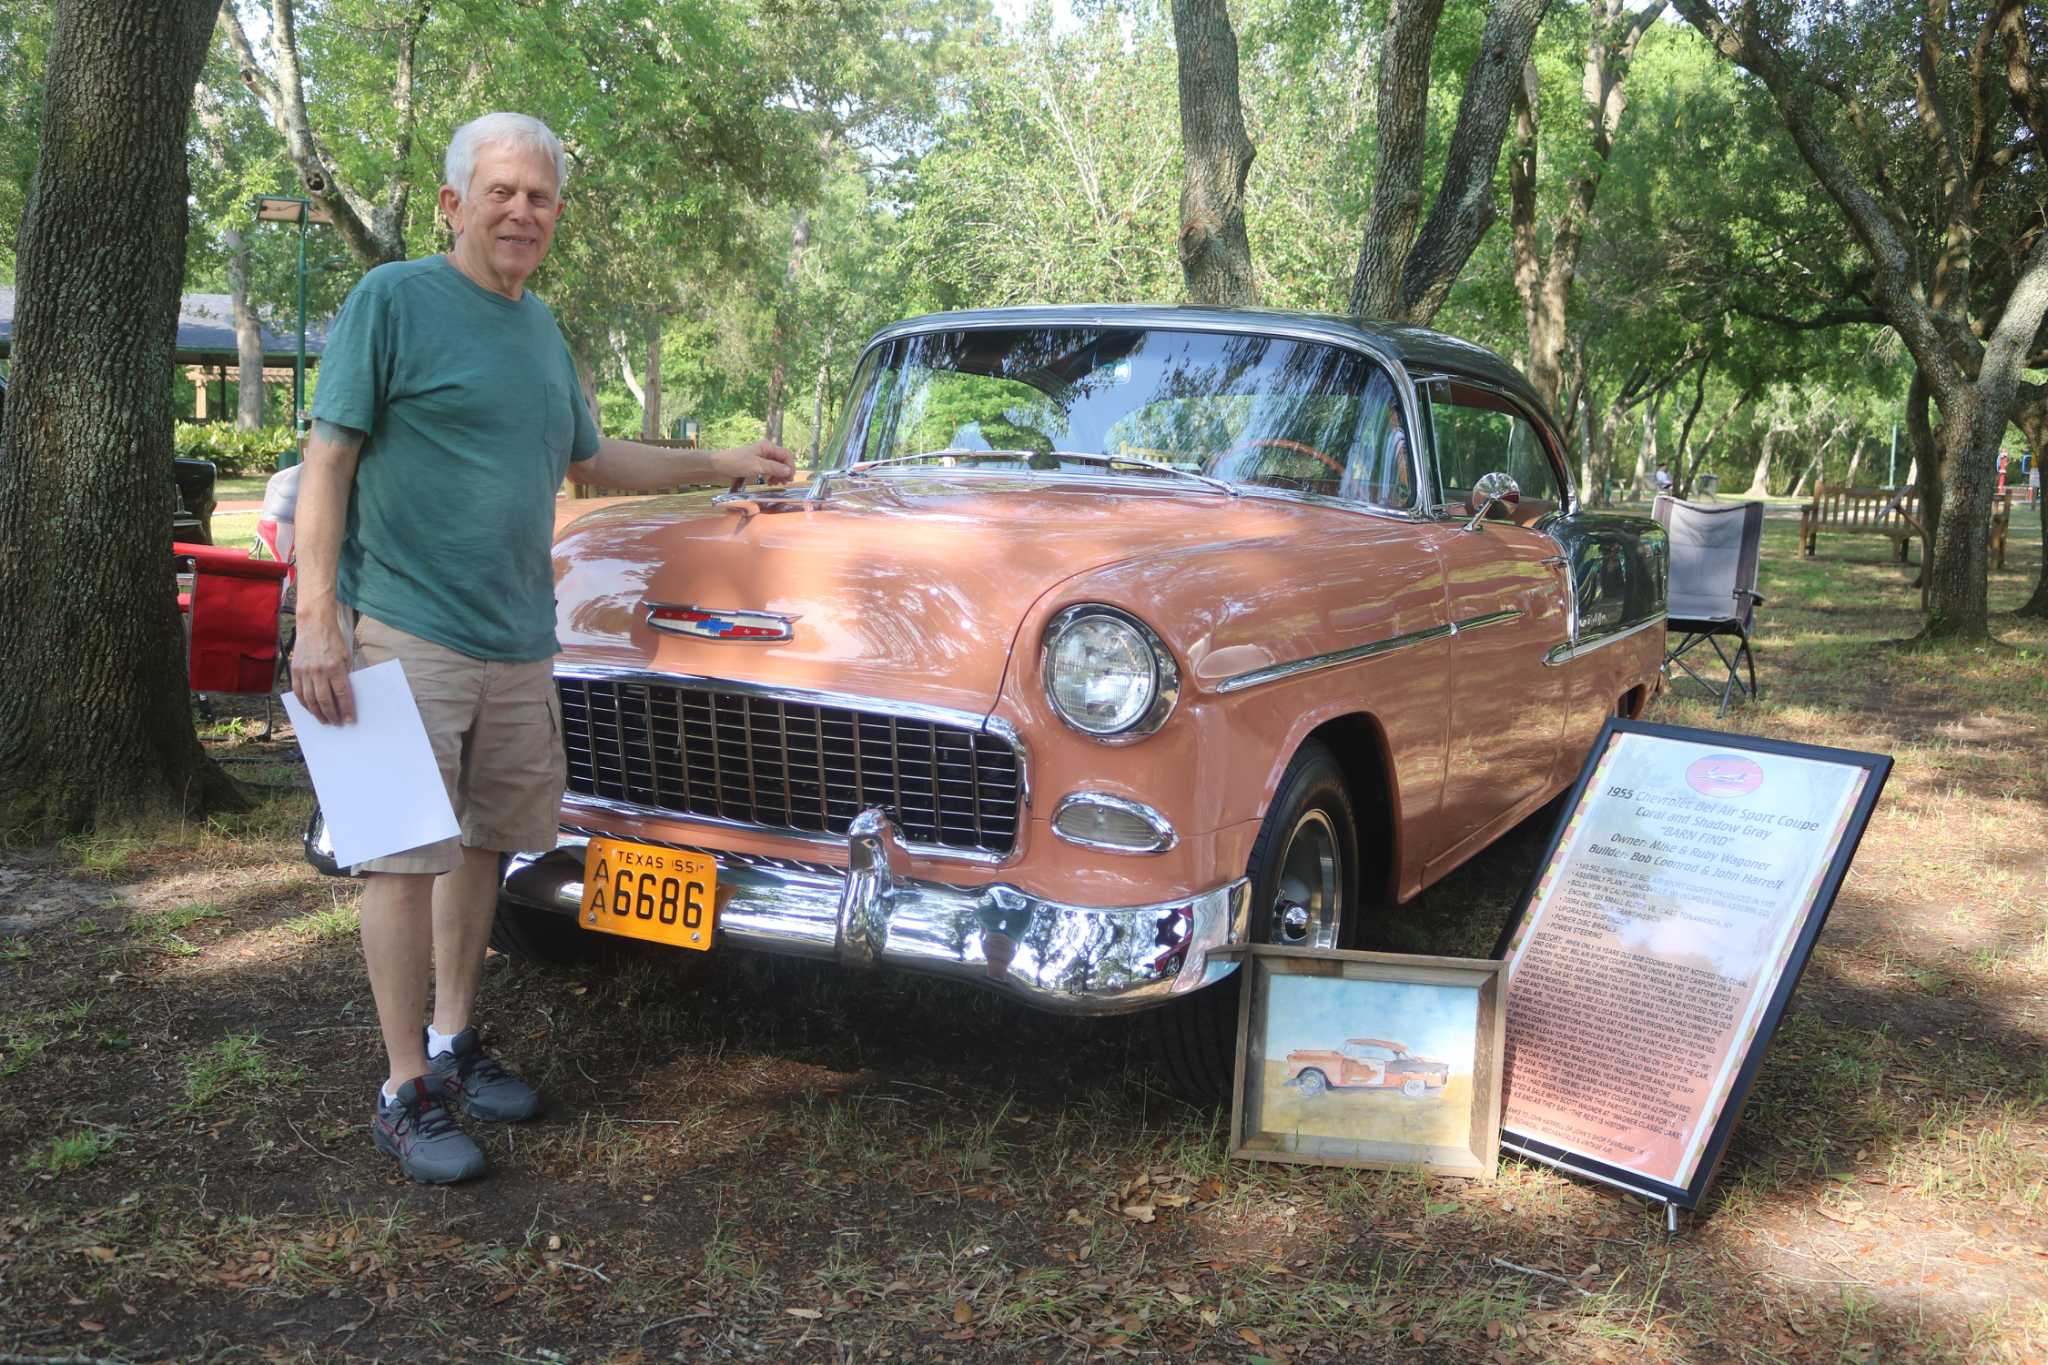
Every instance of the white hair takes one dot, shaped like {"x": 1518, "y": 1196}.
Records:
{"x": 515, "y": 130}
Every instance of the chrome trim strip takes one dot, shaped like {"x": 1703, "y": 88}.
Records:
{"x": 1258, "y": 677}
{"x": 1316, "y": 664}
{"x": 1563, "y": 654}
{"x": 1075, "y": 959}
{"x": 1491, "y": 618}
{"x": 1163, "y": 836}
{"x": 939, "y": 715}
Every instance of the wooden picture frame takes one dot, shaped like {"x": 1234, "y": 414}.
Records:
{"x": 1353, "y": 1093}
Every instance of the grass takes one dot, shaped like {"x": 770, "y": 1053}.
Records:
{"x": 164, "y": 929}
{"x": 71, "y": 1152}
{"x": 333, "y": 924}
{"x": 235, "y": 1065}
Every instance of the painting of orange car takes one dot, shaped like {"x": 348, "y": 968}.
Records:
{"x": 1365, "y": 1064}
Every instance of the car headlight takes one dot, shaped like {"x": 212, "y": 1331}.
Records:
{"x": 1107, "y": 674}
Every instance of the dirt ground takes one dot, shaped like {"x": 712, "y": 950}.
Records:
{"x": 747, "y": 1158}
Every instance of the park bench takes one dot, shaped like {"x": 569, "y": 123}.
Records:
{"x": 1889, "y": 512}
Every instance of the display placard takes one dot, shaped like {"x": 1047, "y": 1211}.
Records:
{"x": 1671, "y": 917}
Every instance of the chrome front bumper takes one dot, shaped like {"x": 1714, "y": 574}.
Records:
{"x": 1073, "y": 959}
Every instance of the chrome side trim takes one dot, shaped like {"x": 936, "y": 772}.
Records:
{"x": 1163, "y": 836}
{"x": 1274, "y": 672}
{"x": 1258, "y": 677}
{"x": 1074, "y": 959}
{"x": 1491, "y": 618}
{"x": 1563, "y": 654}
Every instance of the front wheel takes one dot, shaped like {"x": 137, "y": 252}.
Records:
{"x": 1304, "y": 875}
{"x": 1413, "y": 1087}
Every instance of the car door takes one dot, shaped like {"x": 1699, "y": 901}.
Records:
{"x": 1507, "y": 600}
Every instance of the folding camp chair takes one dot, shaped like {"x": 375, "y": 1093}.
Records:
{"x": 231, "y": 620}
{"x": 1713, "y": 592}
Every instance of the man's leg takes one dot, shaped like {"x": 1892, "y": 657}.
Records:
{"x": 398, "y": 936}
{"x": 464, "y": 902}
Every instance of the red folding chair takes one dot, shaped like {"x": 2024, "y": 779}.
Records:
{"x": 231, "y": 614}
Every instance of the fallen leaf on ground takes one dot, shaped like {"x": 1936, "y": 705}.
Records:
{"x": 963, "y": 1312}
{"x": 809, "y": 1314}
{"x": 1137, "y": 1213}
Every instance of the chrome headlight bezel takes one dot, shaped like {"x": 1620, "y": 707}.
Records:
{"x": 1165, "y": 679}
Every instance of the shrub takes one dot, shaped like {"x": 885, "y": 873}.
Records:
{"x": 234, "y": 453}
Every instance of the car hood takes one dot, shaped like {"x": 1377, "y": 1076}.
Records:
{"x": 907, "y": 588}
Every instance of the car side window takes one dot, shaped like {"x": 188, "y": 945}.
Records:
{"x": 1477, "y": 433}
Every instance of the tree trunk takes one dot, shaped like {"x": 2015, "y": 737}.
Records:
{"x": 818, "y": 406}
{"x": 1855, "y": 461}
{"x": 1216, "y": 156}
{"x": 248, "y": 336}
{"x": 1926, "y": 472}
{"x": 650, "y": 386}
{"x": 2030, "y": 415}
{"x": 785, "y": 324}
{"x": 1760, "y": 481}
{"x": 86, "y": 593}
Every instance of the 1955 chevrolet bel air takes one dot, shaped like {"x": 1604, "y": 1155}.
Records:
{"x": 1110, "y": 637}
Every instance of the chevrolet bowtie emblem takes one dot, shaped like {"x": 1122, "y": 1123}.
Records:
{"x": 705, "y": 623}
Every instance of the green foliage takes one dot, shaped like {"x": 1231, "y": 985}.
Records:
{"x": 71, "y": 1152}
{"x": 234, "y": 453}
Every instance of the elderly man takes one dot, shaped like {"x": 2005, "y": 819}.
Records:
{"x": 448, "y": 414}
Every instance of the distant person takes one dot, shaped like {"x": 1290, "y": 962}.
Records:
{"x": 2033, "y": 479}
{"x": 448, "y": 414}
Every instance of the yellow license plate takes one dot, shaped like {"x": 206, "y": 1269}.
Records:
{"x": 660, "y": 894}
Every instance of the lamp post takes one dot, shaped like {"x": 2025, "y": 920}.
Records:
{"x": 279, "y": 208}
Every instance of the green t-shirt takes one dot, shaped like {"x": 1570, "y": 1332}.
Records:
{"x": 473, "y": 414}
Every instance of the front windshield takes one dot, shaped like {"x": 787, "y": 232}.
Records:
{"x": 1251, "y": 411}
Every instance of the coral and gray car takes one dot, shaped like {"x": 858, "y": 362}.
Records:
{"x": 1365, "y": 1064}
{"x": 1107, "y": 639}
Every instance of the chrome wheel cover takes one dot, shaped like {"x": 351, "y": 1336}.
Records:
{"x": 1307, "y": 909}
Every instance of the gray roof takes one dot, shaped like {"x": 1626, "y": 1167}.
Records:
{"x": 206, "y": 331}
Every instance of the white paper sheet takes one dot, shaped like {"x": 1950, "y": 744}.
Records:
{"x": 379, "y": 787}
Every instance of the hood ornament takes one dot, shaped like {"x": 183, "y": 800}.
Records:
{"x": 707, "y": 623}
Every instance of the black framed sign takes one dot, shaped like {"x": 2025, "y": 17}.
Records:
{"x": 1669, "y": 921}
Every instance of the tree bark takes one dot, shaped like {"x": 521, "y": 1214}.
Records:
{"x": 1546, "y": 287}
{"x": 248, "y": 336}
{"x": 95, "y": 717}
{"x": 1216, "y": 156}
{"x": 650, "y": 387}
{"x": 1464, "y": 207}
{"x": 1927, "y": 458}
{"x": 785, "y": 325}
{"x": 2030, "y": 414}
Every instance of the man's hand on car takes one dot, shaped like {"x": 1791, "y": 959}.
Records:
{"x": 760, "y": 460}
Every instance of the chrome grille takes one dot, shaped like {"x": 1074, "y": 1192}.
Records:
{"x": 787, "y": 765}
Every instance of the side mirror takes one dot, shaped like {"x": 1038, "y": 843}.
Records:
{"x": 1491, "y": 491}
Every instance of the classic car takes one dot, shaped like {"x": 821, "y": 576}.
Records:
{"x": 1106, "y": 639}
{"x": 1367, "y": 1064}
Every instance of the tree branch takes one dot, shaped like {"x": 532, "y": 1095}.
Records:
{"x": 1402, "y": 113}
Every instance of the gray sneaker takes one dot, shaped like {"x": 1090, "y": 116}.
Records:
{"x": 418, "y": 1129}
{"x": 476, "y": 1084}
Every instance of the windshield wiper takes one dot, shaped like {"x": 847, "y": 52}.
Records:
{"x": 1109, "y": 461}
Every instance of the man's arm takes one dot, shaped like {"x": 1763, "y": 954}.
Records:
{"x": 629, "y": 467}
{"x": 320, "y": 654}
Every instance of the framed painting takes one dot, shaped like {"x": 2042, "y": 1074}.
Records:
{"x": 1378, "y": 1060}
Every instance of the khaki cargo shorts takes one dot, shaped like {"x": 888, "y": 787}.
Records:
{"x": 496, "y": 729}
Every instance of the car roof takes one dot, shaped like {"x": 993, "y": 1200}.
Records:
{"x": 1379, "y": 1042}
{"x": 1420, "y": 350}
